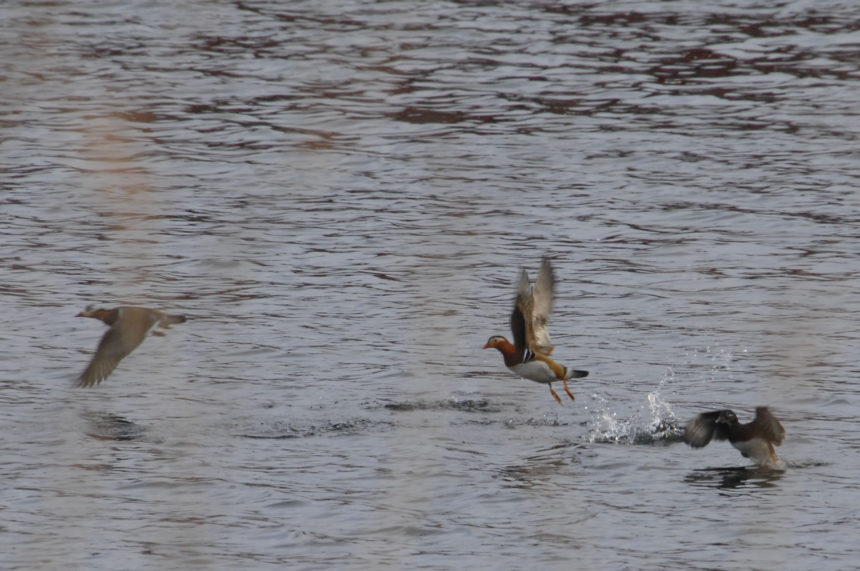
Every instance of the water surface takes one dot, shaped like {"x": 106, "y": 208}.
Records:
{"x": 340, "y": 196}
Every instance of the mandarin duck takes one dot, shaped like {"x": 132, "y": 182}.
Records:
{"x": 755, "y": 439}
{"x": 529, "y": 354}
{"x": 128, "y": 328}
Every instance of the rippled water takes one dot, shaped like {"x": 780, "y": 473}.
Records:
{"x": 340, "y": 195}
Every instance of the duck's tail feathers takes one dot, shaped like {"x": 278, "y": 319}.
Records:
{"x": 574, "y": 373}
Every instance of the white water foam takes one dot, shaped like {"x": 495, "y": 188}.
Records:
{"x": 651, "y": 423}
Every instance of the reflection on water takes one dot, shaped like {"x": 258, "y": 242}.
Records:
{"x": 340, "y": 193}
{"x": 108, "y": 426}
{"x": 730, "y": 478}
{"x": 541, "y": 468}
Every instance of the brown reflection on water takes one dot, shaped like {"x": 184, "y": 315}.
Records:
{"x": 125, "y": 203}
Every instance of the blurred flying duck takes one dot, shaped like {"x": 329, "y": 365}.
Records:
{"x": 128, "y": 328}
{"x": 755, "y": 439}
{"x": 528, "y": 356}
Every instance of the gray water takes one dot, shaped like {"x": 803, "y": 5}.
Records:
{"x": 340, "y": 196}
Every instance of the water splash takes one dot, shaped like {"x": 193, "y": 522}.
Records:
{"x": 652, "y": 423}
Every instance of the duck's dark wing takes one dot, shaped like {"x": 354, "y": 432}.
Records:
{"x": 117, "y": 343}
{"x": 703, "y": 427}
{"x": 522, "y": 308}
{"x": 531, "y": 311}
{"x": 766, "y": 425}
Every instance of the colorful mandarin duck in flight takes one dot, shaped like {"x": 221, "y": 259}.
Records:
{"x": 529, "y": 355}
{"x": 755, "y": 439}
{"x": 128, "y": 328}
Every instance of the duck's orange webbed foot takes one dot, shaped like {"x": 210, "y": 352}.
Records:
{"x": 555, "y": 394}
{"x": 570, "y": 394}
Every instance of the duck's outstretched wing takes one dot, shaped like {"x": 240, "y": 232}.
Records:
{"x": 541, "y": 308}
{"x": 522, "y": 309}
{"x": 768, "y": 426}
{"x": 531, "y": 311}
{"x": 116, "y": 344}
{"x": 703, "y": 427}
{"x": 109, "y": 353}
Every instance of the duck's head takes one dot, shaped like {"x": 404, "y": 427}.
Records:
{"x": 727, "y": 417}
{"x": 496, "y": 342}
{"x": 91, "y": 311}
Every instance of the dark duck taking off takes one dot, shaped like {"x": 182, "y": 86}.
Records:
{"x": 755, "y": 440}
